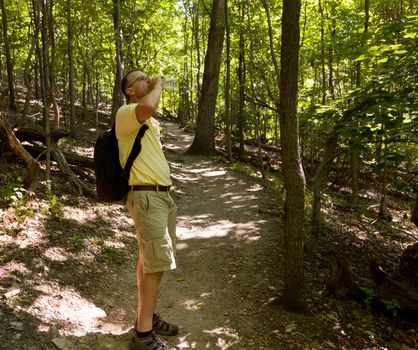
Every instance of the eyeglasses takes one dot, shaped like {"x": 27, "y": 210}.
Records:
{"x": 140, "y": 78}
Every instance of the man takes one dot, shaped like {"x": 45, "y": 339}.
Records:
{"x": 149, "y": 203}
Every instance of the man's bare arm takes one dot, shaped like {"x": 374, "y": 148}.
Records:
{"x": 146, "y": 108}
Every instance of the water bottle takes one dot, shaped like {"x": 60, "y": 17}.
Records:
{"x": 169, "y": 83}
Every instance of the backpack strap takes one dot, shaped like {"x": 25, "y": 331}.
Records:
{"x": 136, "y": 149}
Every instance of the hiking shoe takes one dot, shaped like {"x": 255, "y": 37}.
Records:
{"x": 152, "y": 342}
{"x": 162, "y": 327}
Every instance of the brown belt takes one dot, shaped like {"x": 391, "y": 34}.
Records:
{"x": 150, "y": 188}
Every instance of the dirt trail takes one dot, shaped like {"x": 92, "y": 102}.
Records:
{"x": 226, "y": 247}
{"x": 77, "y": 298}
{"x": 67, "y": 273}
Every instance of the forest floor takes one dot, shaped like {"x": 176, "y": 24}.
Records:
{"x": 67, "y": 273}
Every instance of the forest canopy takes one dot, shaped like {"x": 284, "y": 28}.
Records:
{"x": 357, "y": 71}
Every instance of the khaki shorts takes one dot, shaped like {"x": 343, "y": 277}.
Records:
{"x": 154, "y": 214}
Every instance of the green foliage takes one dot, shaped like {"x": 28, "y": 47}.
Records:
{"x": 13, "y": 194}
{"x": 370, "y": 294}
{"x": 76, "y": 239}
{"x": 246, "y": 169}
{"x": 392, "y": 306}
{"x": 55, "y": 206}
{"x": 169, "y": 38}
{"x": 110, "y": 253}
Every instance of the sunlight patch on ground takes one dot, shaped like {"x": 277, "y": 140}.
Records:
{"x": 195, "y": 230}
{"x": 248, "y": 231}
{"x": 11, "y": 268}
{"x": 6, "y": 239}
{"x": 193, "y": 305}
{"x": 182, "y": 177}
{"x": 215, "y": 173}
{"x": 198, "y": 227}
{"x": 22, "y": 233}
{"x": 66, "y": 307}
{"x": 202, "y": 170}
{"x": 255, "y": 188}
{"x": 56, "y": 254}
{"x": 184, "y": 344}
{"x": 224, "y": 338}
{"x": 227, "y": 337}
{"x": 181, "y": 246}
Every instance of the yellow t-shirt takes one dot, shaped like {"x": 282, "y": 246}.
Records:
{"x": 150, "y": 167}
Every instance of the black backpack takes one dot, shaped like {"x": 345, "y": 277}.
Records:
{"x": 112, "y": 181}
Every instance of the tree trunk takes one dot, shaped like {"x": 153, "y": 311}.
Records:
{"x": 43, "y": 6}
{"x": 355, "y": 169}
{"x": 117, "y": 98}
{"x": 183, "y": 114}
{"x": 36, "y": 68}
{"x": 355, "y": 156}
{"x": 276, "y": 68}
{"x": 26, "y": 73}
{"x": 227, "y": 85}
{"x": 52, "y": 64}
{"x": 71, "y": 88}
{"x": 324, "y": 78}
{"x": 294, "y": 179}
{"x": 241, "y": 88}
{"x": 198, "y": 74}
{"x": 331, "y": 52}
{"x": 414, "y": 217}
{"x": 318, "y": 180}
{"x": 271, "y": 39}
{"x": 204, "y": 141}
{"x": 96, "y": 106}
{"x": 253, "y": 93}
{"x": 383, "y": 209}
{"x": 12, "y": 99}
{"x": 16, "y": 147}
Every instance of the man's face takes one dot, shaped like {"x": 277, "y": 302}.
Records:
{"x": 138, "y": 84}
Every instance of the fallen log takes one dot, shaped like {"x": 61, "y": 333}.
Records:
{"x": 69, "y": 174}
{"x": 85, "y": 174}
{"x": 37, "y": 134}
{"x": 72, "y": 158}
{"x": 16, "y": 147}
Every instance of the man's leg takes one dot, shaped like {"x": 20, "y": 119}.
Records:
{"x": 148, "y": 288}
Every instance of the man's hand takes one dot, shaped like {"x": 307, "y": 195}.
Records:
{"x": 156, "y": 82}
{"x": 149, "y": 103}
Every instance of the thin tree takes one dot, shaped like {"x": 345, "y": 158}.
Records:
{"x": 241, "y": 83}
{"x": 196, "y": 29}
{"x": 26, "y": 72}
{"x": 12, "y": 99}
{"x": 254, "y": 108}
{"x": 355, "y": 157}
{"x": 204, "y": 141}
{"x": 324, "y": 77}
{"x": 117, "y": 98}
{"x": 294, "y": 178}
{"x": 71, "y": 88}
{"x": 52, "y": 65}
{"x": 228, "y": 84}
{"x": 43, "y": 6}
